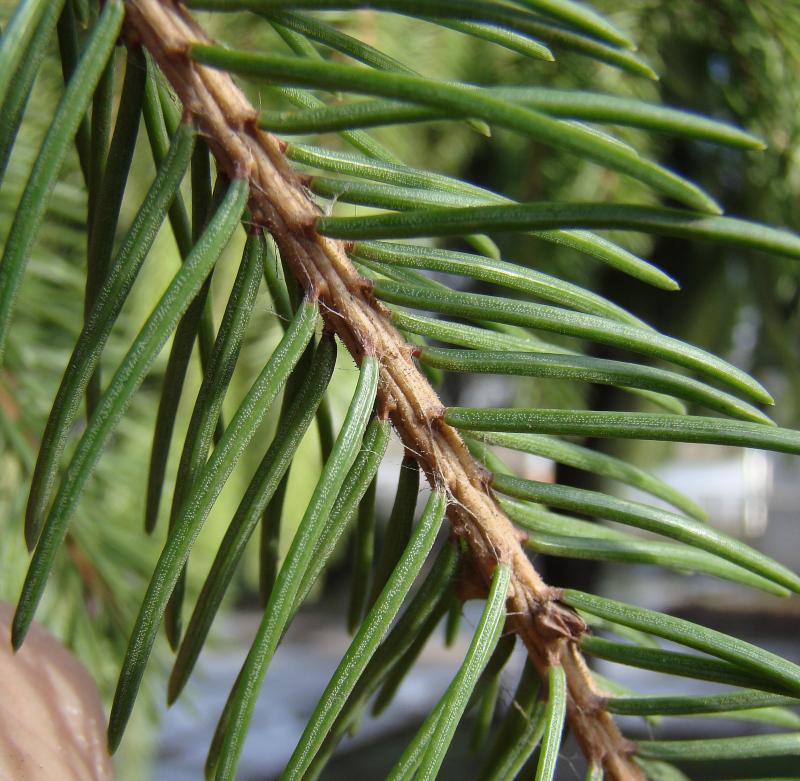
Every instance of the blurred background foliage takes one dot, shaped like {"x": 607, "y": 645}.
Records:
{"x": 736, "y": 60}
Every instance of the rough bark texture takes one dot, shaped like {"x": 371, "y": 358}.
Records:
{"x": 228, "y": 123}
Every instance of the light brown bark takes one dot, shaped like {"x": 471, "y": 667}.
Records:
{"x": 228, "y": 123}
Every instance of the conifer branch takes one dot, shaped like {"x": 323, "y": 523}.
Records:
{"x": 280, "y": 203}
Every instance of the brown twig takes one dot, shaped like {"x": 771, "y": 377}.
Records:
{"x": 278, "y": 201}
